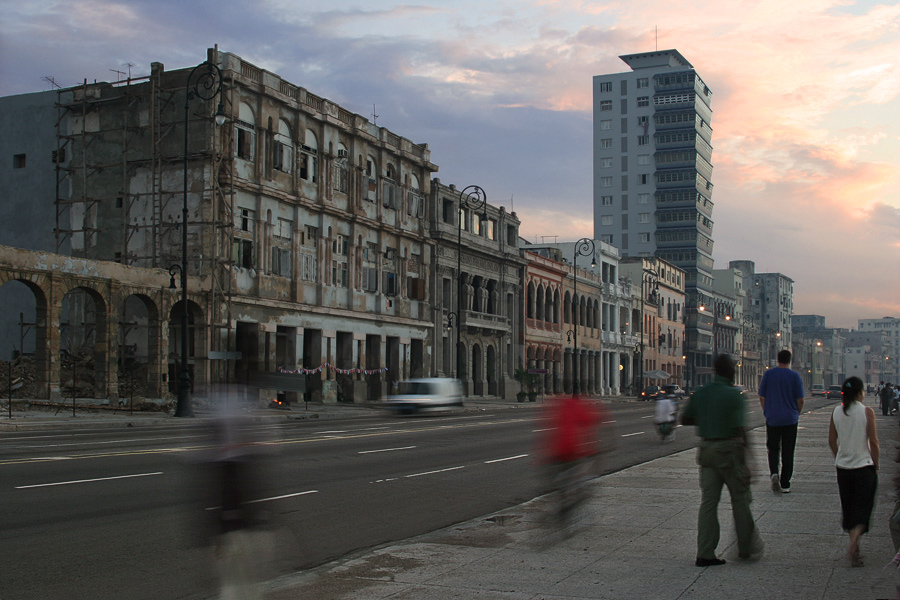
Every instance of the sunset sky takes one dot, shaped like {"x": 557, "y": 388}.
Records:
{"x": 806, "y": 116}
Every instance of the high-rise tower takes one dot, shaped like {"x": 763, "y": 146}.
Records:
{"x": 653, "y": 163}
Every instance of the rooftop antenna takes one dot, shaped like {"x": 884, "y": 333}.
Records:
{"x": 657, "y": 38}
{"x": 374, "y": 116}
{"x": 512, "y": 206}
{"x": 129, "y": 65}
{"x": 119, "y": 72}
{"x": 49, "y": 79}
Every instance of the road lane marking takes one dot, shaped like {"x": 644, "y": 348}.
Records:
{"x": 496, "y": 460}
{"x": 631, "y": 434}
{"x": 648, "y": 417}
{"x": 607, "y": 422}
{"x": 37, "y": 485}
{"x": 283, "y": 442}
{"x": 386, "y": 450}
{"x": 433, "y": 472}
{"x": 270, "y": 499}
{"x": 544, "y": 429}
{"x": 327, "y": 432}
{"x": 283, "y": 497}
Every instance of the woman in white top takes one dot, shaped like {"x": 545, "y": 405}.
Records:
{"x": 854, "y": 443}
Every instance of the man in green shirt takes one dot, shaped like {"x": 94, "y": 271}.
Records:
{"x": 718, "y": 410}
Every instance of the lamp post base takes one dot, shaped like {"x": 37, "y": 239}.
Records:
{"x": 183, "y": 405}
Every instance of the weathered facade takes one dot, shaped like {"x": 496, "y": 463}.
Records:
{"x": 307, "y": 224}
{"x": 477, "y": 291}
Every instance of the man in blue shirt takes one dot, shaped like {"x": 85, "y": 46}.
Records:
{"x": 781, "y": 397}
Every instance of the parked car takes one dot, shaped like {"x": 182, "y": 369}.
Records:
{"x": 673, "y": 391}
{"x": 817, "y": 389}
{"x": 834, "y": 391}
{"x": 433, "y": 394}
{"x": 650, "y": 392}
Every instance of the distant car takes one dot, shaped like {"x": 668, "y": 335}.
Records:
{"x": 673, "y": 391}
{"x": 651, "y": 392}
{"x": 817, "y": 389}
{"x": 433, "y": 394}
{"x": 834, "y": 391}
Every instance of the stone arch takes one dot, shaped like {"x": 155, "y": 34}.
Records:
{"x": 140, "y": 345}
{"x": 39, "y": 288}
{"x": 196, "y": 343}
{"x": 491, "y": 370}
{"x": 539, "y": 303}
{"x": 87, "y": 357}
{"x": 529, "y": 301}
{"x": 477, "y": 369}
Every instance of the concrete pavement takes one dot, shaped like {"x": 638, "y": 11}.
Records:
{"x": 637, "y": 539}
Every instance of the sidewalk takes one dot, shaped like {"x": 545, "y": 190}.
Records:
{"x": 637, "y": 540}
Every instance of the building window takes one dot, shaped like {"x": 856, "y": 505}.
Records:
{"x": 281, "y": 262}
{"x": 245, "y": 146}
{"x": 643, "y": 198}
{"x": 606, "y": 125}
{"x": 606, "y": 163}
{"x": 643, "y": 82}
{"x": 606, "y": 200}
{"x": 606, "y": 181}
{"x": 339, "y": 274}
{"x": 643, "y": 101}
{"x": 606, "y": 143}
{"x": 243, "y": 253}
{"x": 643, "y": 217}
{"x": 18, "y": 161}
{"x": 341, "y": 171}
{"x": 643, "y": 140}
{"x": 606, "y": 220}
{"x": 643, "y": 159}
{"x": 605, "y": 86}
{"x": 339, "y": 245}
{"x": 643, "y": 121}
{"x": 282, "y": 159}
{"x": 607, "y": 238}
{"x": 606, "y": 105}
{"x": 308, "y": 165}
{"x": 643, "y": 238}
{"x": 643, "y": 179}
{"x": 415, "y": 288}
{"x": 312, "y": 236}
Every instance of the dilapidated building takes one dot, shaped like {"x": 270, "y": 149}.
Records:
{"x": 308, "y": 240}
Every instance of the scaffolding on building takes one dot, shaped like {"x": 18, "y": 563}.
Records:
{"x": 118, "y": 151}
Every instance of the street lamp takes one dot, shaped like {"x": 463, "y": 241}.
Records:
{"x": 583, "y": 247}
{"x": 207, "y": 84}
{"x": 472, "y": 198}
{"x": 651, "y": 278}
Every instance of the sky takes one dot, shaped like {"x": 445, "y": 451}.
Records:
{"x": 806, "y": 115}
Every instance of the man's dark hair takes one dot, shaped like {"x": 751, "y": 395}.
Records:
{"x": 784, "y": 357}
{"x": 724, "y": 366}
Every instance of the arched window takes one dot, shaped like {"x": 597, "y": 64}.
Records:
{"x": 308, "y": 159}
{"x": 245, "y": 133}
{"x": 282, "y": 151}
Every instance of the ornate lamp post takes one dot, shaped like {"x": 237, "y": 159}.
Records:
{"x": 647, "y": 278}
{"x": 471, "y": 198}
{"x": 583, "y": 247}
{"x": 204, "y": 82}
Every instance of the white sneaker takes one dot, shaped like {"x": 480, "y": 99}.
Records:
{"x": 776, "y": 484}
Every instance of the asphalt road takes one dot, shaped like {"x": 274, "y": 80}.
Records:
{"x": 124, "y": 513}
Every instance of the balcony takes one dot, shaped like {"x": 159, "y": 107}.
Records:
{"x": 491, "y": 324}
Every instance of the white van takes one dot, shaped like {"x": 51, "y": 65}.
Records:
{"x": 432, "y": 394}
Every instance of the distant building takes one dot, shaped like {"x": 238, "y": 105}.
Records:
{"x": 891, "y": 328}
{"x": 769, "y": 300}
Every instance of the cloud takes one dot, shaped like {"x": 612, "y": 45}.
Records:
{"x": 805, "y": 93}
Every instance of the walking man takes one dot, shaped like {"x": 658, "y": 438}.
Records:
{"x": 719, "y": 412}
{"x": 781, "y": 397}
{"x": 885, "y": 394}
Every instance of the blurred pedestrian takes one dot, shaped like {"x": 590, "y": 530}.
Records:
{"x": 853, "y": 439}
{"x": 886, "y": 394}
{"x": 569, "y": 444}
{"x": 665, "y": 417}
{"x": 719, "y": 413}
{"x": 781, "y": 397}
